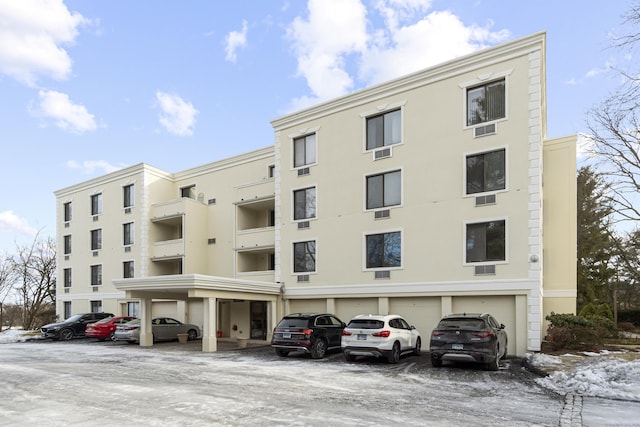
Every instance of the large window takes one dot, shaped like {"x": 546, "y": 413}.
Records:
{"x": 384, "y": 190}
{"x": 486, "y": 172}
{"x": 127, "y": 234}
{"x": 67, "y": 212}
{"x": 96, "y": 275}
{"x": 486, "y": 242}
{"x": 67, "y": 309}
{"x": 96, "y": 306}
{"x": 127, "y": 196}
{"x": 486, "y": 103}
{"x": 384, "y": 129}
{"x": 304, "y": 257}
{"x": 304, "y": 202}
{"x": 133, "y": 308}
{"x": 127, "y": 269}
{"x": 304, "y": 150}
{"x": 67, "y": 277}
{"x": 384, "y": 250}
{"x": 96, "y": 239}
{"x": 96, "y": 204}
{"x": 67, "y": 244}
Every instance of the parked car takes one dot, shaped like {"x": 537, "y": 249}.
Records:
{"x": 73, "y": 326}
{"x": 311, "y": 333}
{"x": 105, "y": 329}
{"x": 468, "y": 337}
{"x": 163, "y": 329}
{"x": 388, "y": 336}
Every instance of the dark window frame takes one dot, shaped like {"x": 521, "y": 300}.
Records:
{"x": 383, "y": 250}
{"x": 305, "y": 257}
{"x": 479, "y": 113}
{"x": 491, "y": 245}
{"x": 481, "y": 177}
{"x": 380, "y": 131}
{"x": 379, "y": 201}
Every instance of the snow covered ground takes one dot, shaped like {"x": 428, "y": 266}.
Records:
{"x": 84, "y": 382}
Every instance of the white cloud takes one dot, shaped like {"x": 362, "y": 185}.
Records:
{"x": 32, "y": 36}
{"x": 89, "y": 167}
{"x": 177, "y": 116}
{"x": 235, "y": 40}
{"x": 10, "y": 222}
{"x": 66, "y": 115}
{"x": 338, "y": 36}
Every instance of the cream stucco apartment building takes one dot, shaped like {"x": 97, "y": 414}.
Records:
{"x": 434, "y": 193}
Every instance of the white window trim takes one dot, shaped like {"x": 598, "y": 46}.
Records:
{"x": 301, "y": 133}
{"x": 364, "y": 249}
{"x": 95, "y": 193}
{"x": 133, "y": 234}
{"x": 487, "y": 150}
{"x": 482, "y": 79}
{"x": 293, "y": 204}
{"x": 293, "y": 255}
{"x": 479, "y": 221}
{"x": 133, "y": 183}
{"x": 381, "y": 109}
{"x": 364, "y": 189}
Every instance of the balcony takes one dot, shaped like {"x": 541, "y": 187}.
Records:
{"x": 255, "y": 238}
{"x": 168, "y": 249}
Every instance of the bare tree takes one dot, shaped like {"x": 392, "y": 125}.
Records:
{"x": 6, "y": 284}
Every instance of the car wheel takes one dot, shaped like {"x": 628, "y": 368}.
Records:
{"x": 66, "y": 334}
{"x": 494, "y": 365}
{"x": 416, "y": 350}
{"x": 131, "y": 342}
{"x": 436, "y": 363}
{"x": 112, "y": 336}
{"x": 192, "y": 334}
{"x": 349, "y": 357}
{"x": 394, "y": 355}
{"x": 282, "y": 353}
{"x": 318, "y": 349}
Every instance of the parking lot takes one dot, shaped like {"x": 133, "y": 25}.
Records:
{"x": 84, "y": 382}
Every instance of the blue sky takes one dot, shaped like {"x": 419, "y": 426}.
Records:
{"x": 88, "y": 87}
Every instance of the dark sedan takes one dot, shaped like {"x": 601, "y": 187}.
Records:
{"x": 72, "y": 327}
{"x": 469, "y": 337}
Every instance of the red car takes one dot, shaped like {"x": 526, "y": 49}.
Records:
{"x": 105, "y": 328}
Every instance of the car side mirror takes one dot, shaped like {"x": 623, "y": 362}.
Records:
{"x": 411, "y": 327}
{"x": 501, "y": 326}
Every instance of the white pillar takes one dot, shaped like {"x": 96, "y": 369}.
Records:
{"x": 146, "y": 333}
{"x": 209, "y": 337}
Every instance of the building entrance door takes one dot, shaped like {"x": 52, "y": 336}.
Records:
{"x": 258, "y": 320}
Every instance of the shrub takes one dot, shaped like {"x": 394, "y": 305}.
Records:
{"x": 575, "y": 332}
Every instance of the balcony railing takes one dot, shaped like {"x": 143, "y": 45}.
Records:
{"x": 167, "y": 249}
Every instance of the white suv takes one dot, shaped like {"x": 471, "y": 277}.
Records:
{"x": 376, "y": 335}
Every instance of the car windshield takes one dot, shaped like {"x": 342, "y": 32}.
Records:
{"x": 73, "y": 318}
{"x": 366, "y": 324}
{"x": 296, "y": 322}
{"x": 461, "y": 324}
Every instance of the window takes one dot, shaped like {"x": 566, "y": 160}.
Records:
{"x": 272, "y": 171}
{"x": 384, "y": 190}
{"x": 384, "y": 250}
{"x": 96, "y": 204}
{"x": 96, "y": 239}
{"x": 67, "y": 212}
{"x": 304, "y": 150}
{"x": 133, "y": 309}
{"x": 67, "y": 244}
{"x": 188, "y": 192}
{"x": 486, "y": 241}
{"x": 486, "y": 102}
{"x": 67, "y": 277}
{"x": 96, "y": 275}
{"x": 127, "y": 196}
{"x": 67, "y": 309}
{"x": 384, "y": 129}
{"x": 304, "y": 202}
{"x": 304, "y": 257}
{"x": 127, "y": 269}
{"x": 486, "y": 172}
{"x": 96, "y": 306}
{"x": 127, "y": 234}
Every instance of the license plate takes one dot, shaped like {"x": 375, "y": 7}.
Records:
{"x": 362, "y": 336}
{"x": 286, "y": 335}
{"x": 456, "y": 346}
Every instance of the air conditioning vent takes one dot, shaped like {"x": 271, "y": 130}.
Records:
{"x": 386, "y": 213}
{"x": 95, "y": 217}
{"x": 303, "y": 224}
{"x": 489, "y": 199}
{"x": 66, "y": 290}
{"x": 211, "y": 201}
{"x": 96, "y": 288}
{"x": 382, "y": 153}
{"x": 303, "y": 171}
{"x": 385, "y": 274}
{"x": 211, "y": 241}
{"x": 485, "y": 130}
{"x": 127, "y": 210}
{"x": 303, "y": 278}
{"x": 66, "y": 257}
{"x": 95, "y": 253}
{"x": 483, "y": 270}
{"x": 127, "y": 248}
{"x": 66, "y": 225}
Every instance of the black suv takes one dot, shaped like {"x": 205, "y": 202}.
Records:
{"x": 468, "y": 337}
{"x": 314, "y": 334}
{"x": 73, "y": 326}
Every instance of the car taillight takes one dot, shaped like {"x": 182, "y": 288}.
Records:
{"x": 437, "y": 333}
{"x": 383, "y": 334}
{"x": 130, "y": 328}
{"x": 307, "y": 332}
{"x": 346, "y": 333}
{"x": 483, "y": 334}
